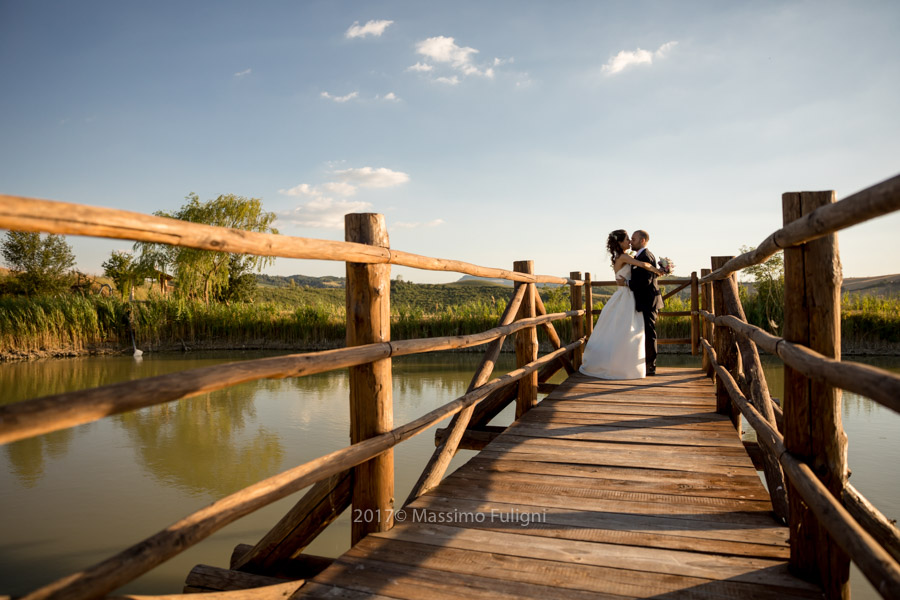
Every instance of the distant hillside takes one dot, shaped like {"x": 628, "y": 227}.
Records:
{"x": 882, "y": 286}
{"x": 301, "y": 280}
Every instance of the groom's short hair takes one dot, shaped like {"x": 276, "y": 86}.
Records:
{"x": 642, "y": 234}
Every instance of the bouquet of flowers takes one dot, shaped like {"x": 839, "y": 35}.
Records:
{"x": 666, "y": 265}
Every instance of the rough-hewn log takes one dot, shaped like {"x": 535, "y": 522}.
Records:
{"x": 31, "y": 214}
{"x": 759, "y": 397}
{"x": 281, "y": 591}
{"x": 491, "y": 406}
{"x": 302, "y": 566}
{"x": 695, "y": 315}
{"x": 588, "y": 305}
{"x": 874, "y": 561}
{"x": 136, "y": 560}
{"x": 707, "y": 304}
{"x": 526, "y": 344}
{"x": 551, "y": 332}
{"x": 726, "y": 350}
{"x": 816, "y": 298}
{"x": 472, "y": 439}
{"x": 371, "y": 403}
{"x": 205, "y": 578}
{"x": 440, "y": 459}
{"x": 317, "y": 509}
{"x": 871, "y": 382}
{"x": 28, "y": 418}
{"x": 876, "y": 201}
{"x": 577, "y": 322}
{"x": 879, "y": 527}
{"x": 681, "y": 286}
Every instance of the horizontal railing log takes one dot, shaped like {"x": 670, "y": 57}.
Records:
{"x": 51, "y": 413}
{"x": 879, "y": 526}
{"x": 147, "y": 554}
{"x": 31, "y": 214}
{"x": 876, "y": 201}
{"x": 875, "y": 562}
{"x": 865, "y": 380}
{"x": 662, "y": 281}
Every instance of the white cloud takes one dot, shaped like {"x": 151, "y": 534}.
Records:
{"x": 341, "y": 99}
{"x": 323, "y": 213}
{"x": 323, "y": 210}
{"x": 368, "y": 177}
{"x": 420, "y": 67}
{"x": 444, "y": 50}
{"x": 375, "y": 28}
{"x": 416, "y": 225}
{"x": 243, "y": 73}
{"x": 389, "y": 97}
{"x": 663, "y": 50}
{"x": 629, "y": 58}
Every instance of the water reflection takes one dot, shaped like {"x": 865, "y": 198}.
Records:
{"x": 28, "y": 458}
{"x": 77, "y": 491}
{"x": 211, "y": 444}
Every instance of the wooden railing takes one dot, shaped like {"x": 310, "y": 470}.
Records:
{"x": 830, "y": 521}
{"x": 361, "y": 474}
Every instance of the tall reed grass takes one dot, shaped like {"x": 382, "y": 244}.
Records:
{"x": 76, "y": 323}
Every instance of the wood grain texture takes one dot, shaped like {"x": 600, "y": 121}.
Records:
{"x": 635, "y": 489}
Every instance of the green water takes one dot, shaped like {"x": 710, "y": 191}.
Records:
{"x": 71, "y": 498}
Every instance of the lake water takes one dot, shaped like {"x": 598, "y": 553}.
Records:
{"x": 71, "y": 498}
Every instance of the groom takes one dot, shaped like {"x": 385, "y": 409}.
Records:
{"x": 647, "y": 297}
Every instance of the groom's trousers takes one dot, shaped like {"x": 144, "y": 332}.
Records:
{"x": 650, "y": 317}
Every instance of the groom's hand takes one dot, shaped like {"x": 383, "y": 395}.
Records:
{"x": 620, "y": 281}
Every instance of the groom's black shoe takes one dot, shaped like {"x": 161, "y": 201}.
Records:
{"x": 651, "y": 374}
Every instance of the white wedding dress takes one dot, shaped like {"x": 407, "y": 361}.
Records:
{"x": 615, "y": 349}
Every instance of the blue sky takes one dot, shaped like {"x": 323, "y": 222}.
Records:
{"x": 484, "y": 131}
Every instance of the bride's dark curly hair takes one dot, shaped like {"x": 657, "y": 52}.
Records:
{"x": 613, "y": 243}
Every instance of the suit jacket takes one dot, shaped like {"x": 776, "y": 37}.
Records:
{"x": 647, "y": 296}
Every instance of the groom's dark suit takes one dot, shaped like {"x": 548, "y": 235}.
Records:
{"x": 647, "y": 301}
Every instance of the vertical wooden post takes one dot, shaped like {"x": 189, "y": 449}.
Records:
{"x": 726, "y": 351}
{"x": 695, "y": 317}
{"x": 577, "y": 322}
{"x": 812, "y": 410}
{"x": 526, "y": 343}
{"x": 371, "y": 407}
{"x": 588, "y": 304}
{"x": 707, "y": 326}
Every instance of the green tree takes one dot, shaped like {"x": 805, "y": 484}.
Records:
{"x": 40, "y": 265}
{"x": 765, "y": 306}
{"x": 125, "y": 271}
{"x": 208, "y": 274}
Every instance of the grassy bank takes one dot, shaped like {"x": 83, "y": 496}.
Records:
{"x": 76, "y": 324}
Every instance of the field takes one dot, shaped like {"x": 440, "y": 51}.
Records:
{"x": 286, "y": 315}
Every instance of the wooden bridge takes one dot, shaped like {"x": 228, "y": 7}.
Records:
{"x": 605, "y": 489}
{"x": 602, "y": 489}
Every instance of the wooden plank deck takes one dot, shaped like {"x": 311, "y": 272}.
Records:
{"x": 627, "y": 489}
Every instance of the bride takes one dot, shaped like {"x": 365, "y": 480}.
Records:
{"x": 615, "y": 349}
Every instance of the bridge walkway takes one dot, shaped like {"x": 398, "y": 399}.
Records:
{"x": 606, "y": 489}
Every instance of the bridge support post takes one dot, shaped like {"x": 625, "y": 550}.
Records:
{"x": 706, "y": 303}
{"x": 588, "y": 305}
{"x": 577, "y": 322}
{"x": 726, "y": 350}
{"x": 812, "y": 410}
{"x": 526, "y": 343}
{"x": 371, "y": 403}
{"x": 695, "y": 316}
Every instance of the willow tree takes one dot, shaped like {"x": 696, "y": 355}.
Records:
{"x": 205, "y": 273}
